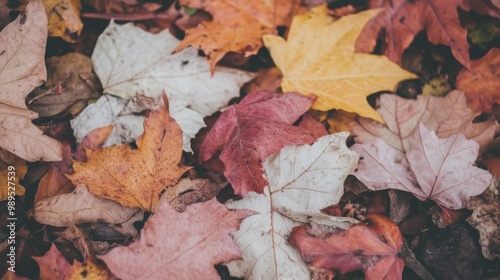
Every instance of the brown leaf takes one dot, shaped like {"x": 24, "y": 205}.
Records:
{"x": 135, "y": 178}
{"x": 246, "y": 133}
{"x": 176, "y": 245}
{"x": 481, "y": 83}
{"x": 441, "y": 170}
{"x": 22, "y": 51}
{"x": 372, "y": 248}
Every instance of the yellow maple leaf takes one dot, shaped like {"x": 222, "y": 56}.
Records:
{"x": 136, "y": 178}
{"x": 319, "y": 58}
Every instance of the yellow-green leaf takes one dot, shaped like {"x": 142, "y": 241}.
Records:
{"x": 319, "y": 58}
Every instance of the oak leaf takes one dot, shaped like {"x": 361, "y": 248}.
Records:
{"x": 53, "y": 265}
{"x": 175, "y": 245}
{"x": 481, "y": 83}
{"x": 126, "y": 116}
{"x": 485, "y": 218}
{"x": 402, "y": 20}
{"x": 372, "y": 248}
{"x": 302, "y": 180}
{"x": 445, "y": 115}
{"x": 246, "y": 133}
{"x": 237, "y": 26}
{"x": 330, "y": 68}
{"x": 135, "y": 178}
{"x": 125, "y": 70}
{"x": 78, "y": 207}
{"x": 22, "y": 67}
{"x": 441, "y": 170}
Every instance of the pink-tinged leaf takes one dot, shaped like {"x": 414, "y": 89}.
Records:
{"x": 371, "y": 248}
{"x": 441, "y": 170}
{"x": 246, "y": 133}
{"x": 175, "y": 245}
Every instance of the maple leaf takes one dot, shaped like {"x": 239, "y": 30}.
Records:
{"x": 302, "y": 181}
{"x": 485, "y": 219}
{"x": 329, "y": 68}
{"x": 246, "y": 133}
{"x": 441, "y": 170}
{"x": 124, "y": 115}
{"x": 135, "y": 178}
{"x": 125, "y": 70}
{"x": 80, "y": 206}
{"x": 481, "y": 83}
{"x": 64, "y": 19}
{"x": 372, "y": 248}
{"x": 175, "y": 245}
{"x": 403, "y": 19}
{"x": 445, "y": 115}
{"x": 237, "y": 26}
{"x": 53, "y": 265}
{"x": 22, "y": 67}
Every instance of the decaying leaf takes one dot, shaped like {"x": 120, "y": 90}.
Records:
{"x": 128, "y": 122}
{"x": 237, "y": 26}
{"x": 135, "y": 178}
{"x": 481, "y": 83}
{"x": 246, "y": 133}
{"x": 329, "y": 68}
{"x": 175, "y": 245}
{"x": 22, "y": 67}
{"x": 372, "y": 248}
{"x": 53, "y": 265}
{"x": 441, "y": 170}
{"x": 402, "y": 20}
{"x": 126, "y": 70}
{"x": 486, "y": 218}
{"x": 70, "y": 83}
{"x": 12, "y": 176}
{"x": 302, "y": 181}
{"x": 80, "y": 206}
{"x": 446, "y": 116}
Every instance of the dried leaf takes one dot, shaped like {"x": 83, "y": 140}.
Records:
{"x": 135, "y": 178}
{"x": 22, "y": 51}
{"x": 329, "y": 68}
{"x": 372, "y": 248}
{"x": 441, "y": 170}
{"x": 177, "y": 245}
{"x": 302, "y": 181}
{"x": 246, "y": 133}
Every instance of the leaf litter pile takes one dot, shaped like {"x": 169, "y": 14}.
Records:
{"x": 285, "y": 139}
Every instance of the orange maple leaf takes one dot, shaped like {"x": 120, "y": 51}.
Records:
{"x": 135, "y": 178}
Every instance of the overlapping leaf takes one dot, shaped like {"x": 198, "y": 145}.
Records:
{"x": 329, "y": 67}
{"x": 246, "y": 133}
{"x": 441, "y": 170}
{"x": 302, "y": 181}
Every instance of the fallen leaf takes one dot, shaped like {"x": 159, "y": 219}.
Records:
{"x": 246, "y": 133}
{"x": 175, "y": 245}
{"x": 372, "y": 248}
{"x": 329, "y": 68}
{"x": 128, "y": 122}
{"x": 236, "y": 26}
{"x": 135, "y": 178}
{"x": 70, "y": 84}
{"x": 53, "y": 265}
{"x": 184, "y": 76}
{"x": 10, "y": 178}
{"x": 78, "y": 207}
{"x": 191, "y": 191}
{"x": 22, "y": 67}
{"x": 480, "y": 82}
{"x": 485, "y": 219}
{"x": 402, "y": 20}
{"x": 446, "y": 116}
{"x": 64, "y": 19}
{"x": 302, "y": 180}
{"x": 441, "y": 170}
